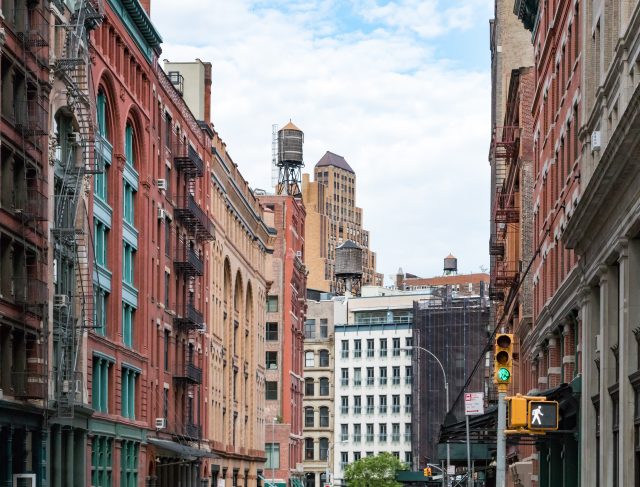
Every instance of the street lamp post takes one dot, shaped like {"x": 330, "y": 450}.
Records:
{"x": 446, "y": 390}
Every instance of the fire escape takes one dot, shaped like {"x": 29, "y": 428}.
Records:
{"x": 77, "y": 161}
{"x": 506, "y": 213}
{"x": 188, "y": 263}
{"x": 29, "y": 374}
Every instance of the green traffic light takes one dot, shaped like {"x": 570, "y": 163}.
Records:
{"x": 503, "y": 374}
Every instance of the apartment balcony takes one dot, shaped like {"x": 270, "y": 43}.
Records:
{"x": 188, "y": 261}
{"x": 186, "y": 159}
{"x": 189, "y": 374}
{"x": 189, "y": 319}
{"x": 29, "y": 384}
{"x": 192, "y": 431}
{"x": 189, "y": 213}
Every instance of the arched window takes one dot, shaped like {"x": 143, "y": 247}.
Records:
{"x": 101, "y": 109}
{"x": 324, "y": 417}
{"x": 308, "y": 449}
{"x": 324, "y": 448}
{"x": 128, "y": 145}
{"x": 324, "y": 358}
{"x": 308, "y": 387}
{"x": 324, "y": 386}
{"x": 103, "y": 149}
{"x": 309, "y": 359}
{"x": 308, "y": 417}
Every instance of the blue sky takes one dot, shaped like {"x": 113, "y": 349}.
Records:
{"x": 400, "y": 88}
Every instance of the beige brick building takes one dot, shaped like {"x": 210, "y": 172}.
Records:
{"x": 332, "y": 218}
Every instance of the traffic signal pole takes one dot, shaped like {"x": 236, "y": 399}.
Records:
{"x": 501, "y": 462}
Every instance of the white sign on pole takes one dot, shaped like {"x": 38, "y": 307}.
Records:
{"x": 473, "y": 403}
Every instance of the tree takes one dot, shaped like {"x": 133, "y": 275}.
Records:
{"x": 374, "y": 471}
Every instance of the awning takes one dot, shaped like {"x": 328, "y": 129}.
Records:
{"x": 273, "y": 483}
{"x": 296, "y": 482}
{"x": 173, "y": 449}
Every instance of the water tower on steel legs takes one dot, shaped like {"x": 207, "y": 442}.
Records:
{"x": 348, "y": 268}
{"x": 290, "y": 161}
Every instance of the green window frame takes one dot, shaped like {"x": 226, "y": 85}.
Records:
{"x": 100, "y": 384}
{"x": 128, "y": 146}
{"x": 100, "y": 242}
{"x": 129, "y": 463}
{"x": 128, "y": 392}
{"x": 128, "y": 316}
{"x": 272, "y": 452}
{"x": 101, "y": 109}
{"x": 100, "y": 187}
{"x": 101, "y": 461}
{"x": 100, "y": 298}
{"x": 128, "y": 203}
{"x": 128, "y": 263}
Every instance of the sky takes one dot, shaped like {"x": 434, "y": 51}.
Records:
{"x": 400, "y": 88}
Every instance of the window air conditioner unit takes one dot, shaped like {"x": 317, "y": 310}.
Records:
{"x": 162, "y": 184}
{"x": 60, "y": 300}
{"x": 162, "y": 213}
{"x": 273, "y": 366}
{"x": 161, "y": 423}
{"x": 595, "y": 140}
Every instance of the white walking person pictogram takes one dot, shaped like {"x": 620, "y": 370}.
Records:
{"x": 537, "y": 414}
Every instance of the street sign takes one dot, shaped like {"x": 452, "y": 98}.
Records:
{"x": 473, "y": 403}
{"x": 543, "y": 415}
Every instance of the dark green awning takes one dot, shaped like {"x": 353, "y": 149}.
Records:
{"x": 173, "y": 449}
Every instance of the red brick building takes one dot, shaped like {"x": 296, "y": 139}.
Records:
{"x": 284, "y": 346}
{"x": 175, "y": 361}
{"x": 549, "y": 355}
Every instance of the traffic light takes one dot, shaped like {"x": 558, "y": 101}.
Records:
{"x": 427, "y": 472}
{"x": 517, "y": 411}
{"x": 542, "y": 415}
{"x": 503, "y": 358}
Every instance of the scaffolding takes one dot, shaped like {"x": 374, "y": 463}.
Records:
{"x": 77, "y": 160}
{"x": 456, "y": 331}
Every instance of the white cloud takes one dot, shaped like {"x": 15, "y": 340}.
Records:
{"x": 414, "y": 129}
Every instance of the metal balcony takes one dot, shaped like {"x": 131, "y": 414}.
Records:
{"x": 189, "y": 374}
{"x": 33, "y": 30}
{"x": 496, "y": 247}
{"x": 186, "y": 159}
{"x": 31, "y": 117}
{"x": 496, "y": 293}
{"x": 193, "y": 431}
{"x": 188, "y": 212}
{"x": 188, "y": 261}
{"x": 34, "y": 206}
{"x": 190, "y": 319}
{"x": 30, "y": 291}
{"x": 505, "y": 278}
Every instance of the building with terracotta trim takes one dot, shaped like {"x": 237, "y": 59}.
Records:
{"x": 333, "y": 218}
{"x": 284, "y": 345}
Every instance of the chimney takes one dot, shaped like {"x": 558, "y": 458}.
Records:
{"x": 146, "y": 5}
{"x": 207, "y": 92}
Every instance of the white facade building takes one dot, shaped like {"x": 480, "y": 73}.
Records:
{"x": 373, "y": 377}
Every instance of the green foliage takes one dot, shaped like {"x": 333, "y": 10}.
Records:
{"x": 374, "y": 471}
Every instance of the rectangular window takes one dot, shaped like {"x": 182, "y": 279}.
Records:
{"x": 128, "y": 258}
{"x": 407, "y": 403}
{"x": 272, "y": 332}
{"x": 308, "y": 417}
{"x": 168, "y": 131}
{"x": 396, "y": 376}
{"x": 357, "y": 376}
{"x": 100, "y": 239}
{"x": 396, "y": 347}
{"x": 409, "y": 345}
{"x": 100, "y": 384}
{"x": 356, "y": 456}
{"x": 167, "y": 237}
{"x": 129, "y": 464}
{"x": 369, "y": 432}
{"x": 395, "y": 404}
{"x": 357, "y": 348}
{"x": 345, "y": 349}
{"x": 408, "y": 378}
{"x": 357, "y": 404}
{"x": 344, "y": 432}
{"x": 370, "y": 349}
{"x": 383, "y": 404}
{"x": 310, "y": 329}
{"x": 271, "y": 361}
{"x": 383, "y": 347}
{"x": 324, "y": 328}
{"x": 272, "y": 304}
{"x": 128, "y": 387}
{"x": 272, "y": 452}
{"x": 407, "y": 432}
{"x": 167, "y": 282}
{"x": 100, "y": 297}
{"x": 395, "y": 432}
{"x": 167, "y": 335}
{"x": 101, "y": 461}
{"x": 344, "y": 378}
{"x": 271, "y": 390}
{"x": 370, "y": 405}
{"x": 408, "y": 458}
{"x": 383, "y": 432}
{"x": 128, "y": 201}
{"x": 357, "y": 433}
{"x": 344, "y": 460}
{"x": 344, "y": 404}
{"x": 383, "y": 376}
{"x": 309, "y": 359}
{"x": 128, "y": 313}
{"x": 370, "y": 377}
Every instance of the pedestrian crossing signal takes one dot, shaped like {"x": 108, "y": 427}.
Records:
{"x": 427, "y": 472}
{"x": 542, "y": 415}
